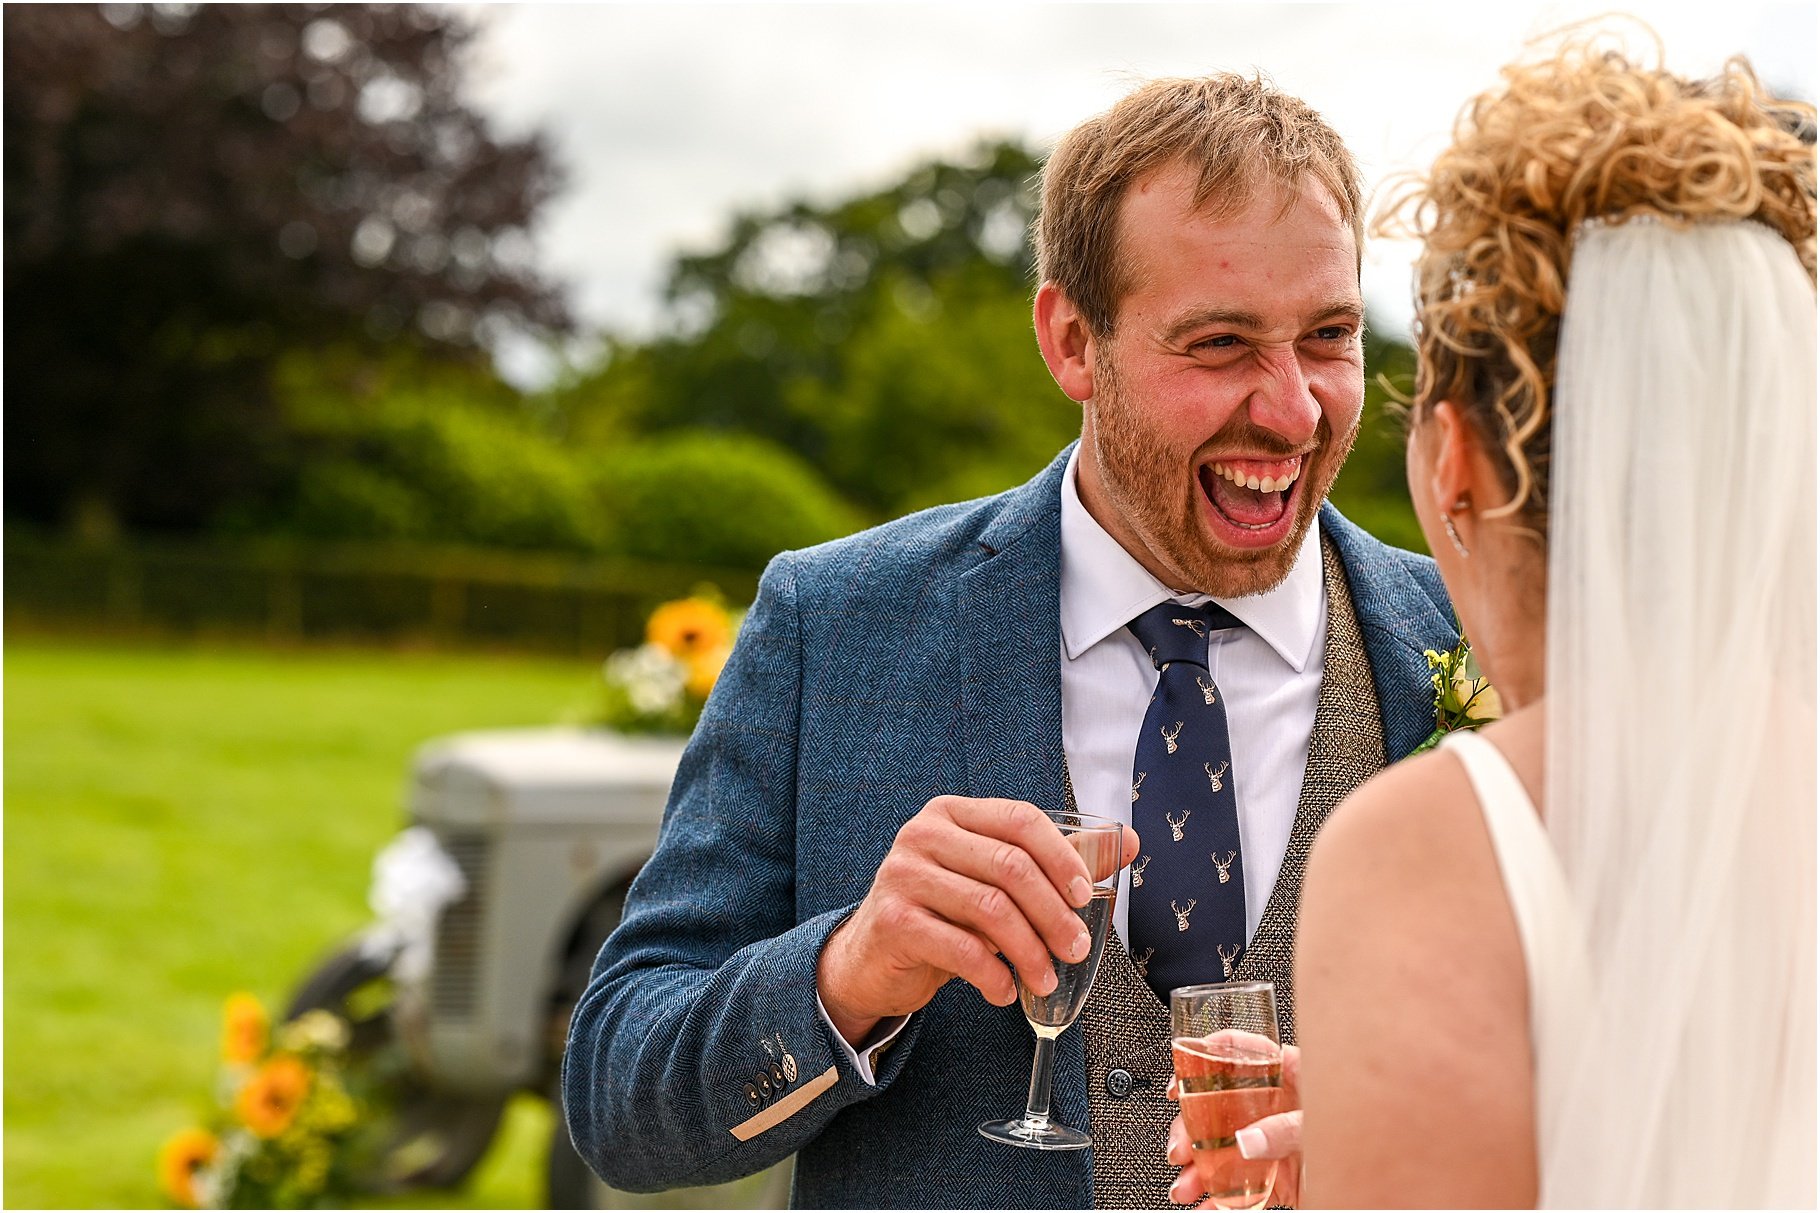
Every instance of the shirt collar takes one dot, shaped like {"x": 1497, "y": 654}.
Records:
{"x": 1104, "y": 588}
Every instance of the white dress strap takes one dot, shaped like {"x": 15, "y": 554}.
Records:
{"x": 1535, "y": 885}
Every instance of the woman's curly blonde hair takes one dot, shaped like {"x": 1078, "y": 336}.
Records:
{"x": 1585, "y": 134}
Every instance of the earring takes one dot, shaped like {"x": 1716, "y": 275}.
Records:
{"x": 1453, "y": 536}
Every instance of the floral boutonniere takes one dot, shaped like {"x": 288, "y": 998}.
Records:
{"x": 1464, "y": 698}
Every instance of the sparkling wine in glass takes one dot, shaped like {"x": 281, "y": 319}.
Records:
{"x": 1229, "y": 1074}
{"x": 1101, "y": 844}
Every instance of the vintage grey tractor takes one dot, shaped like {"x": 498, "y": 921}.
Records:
{"x": 490, "y": 908}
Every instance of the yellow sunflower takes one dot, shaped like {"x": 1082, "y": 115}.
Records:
{"x": 271, "y": 1097}
{"x": 180, "y": 1158}
{"x": 704, "y": 670}
{"x": 244, "y": 1025}
{"x": 689, "y": 626}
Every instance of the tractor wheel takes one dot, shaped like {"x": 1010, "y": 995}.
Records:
{"x": 438, "y": 1137}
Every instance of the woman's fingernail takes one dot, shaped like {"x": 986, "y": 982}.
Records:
{"x": 1079, "y": 891}
{"x": 1251, "y": 1142}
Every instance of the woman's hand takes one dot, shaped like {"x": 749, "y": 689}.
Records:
{"x": 1274, "y": 1137}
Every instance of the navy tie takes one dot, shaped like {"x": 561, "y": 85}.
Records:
{"x": 1188, "y": 882}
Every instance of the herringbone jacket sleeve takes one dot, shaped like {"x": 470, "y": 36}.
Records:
{"x": 704, "y": 998}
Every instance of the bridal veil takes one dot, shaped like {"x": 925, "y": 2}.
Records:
{"x": 1681, "y": 666}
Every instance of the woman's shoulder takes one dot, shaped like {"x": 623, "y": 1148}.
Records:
{"x": 1418, "y": 810}
{"x": 1423, "y": 814}
{"x": 1409, "y": 858}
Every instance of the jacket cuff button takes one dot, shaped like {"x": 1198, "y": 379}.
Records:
{"x": 1118, "y": 1083}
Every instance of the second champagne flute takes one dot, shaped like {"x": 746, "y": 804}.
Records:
{"x": 1229, "y": 1074}
{"x": 1101, "y": 845}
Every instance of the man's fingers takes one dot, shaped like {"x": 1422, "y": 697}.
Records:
{"x": 1278, "y": 1136}
{"x": 955, "y": 950}
{"x": 1010, "y": 846}
{"x": 1029, "y": 828}
{"x": 991, "y": 914}
{"x": 996, "y": 889}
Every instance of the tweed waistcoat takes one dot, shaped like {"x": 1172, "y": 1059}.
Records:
{"x": 1126, "y": 1029}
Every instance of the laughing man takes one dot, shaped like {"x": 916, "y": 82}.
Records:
{"x": 1168, "y": 626}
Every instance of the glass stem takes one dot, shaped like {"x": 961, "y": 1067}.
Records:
{"x": 1042, "y": 1073}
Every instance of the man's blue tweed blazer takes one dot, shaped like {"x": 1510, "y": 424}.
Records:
{"x": 873, "y": 673}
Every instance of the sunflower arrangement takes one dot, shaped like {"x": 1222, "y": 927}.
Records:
{"x": 1464, "y": 697}
{"x": 287, "y": 1132}
{"x": 662, "y": 685}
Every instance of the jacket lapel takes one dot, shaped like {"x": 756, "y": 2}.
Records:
{"x": 1010, "y": 630}
{"x": 1402, "y": 610}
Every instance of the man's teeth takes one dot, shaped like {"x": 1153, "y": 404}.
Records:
{"x": 1258, "y": 484}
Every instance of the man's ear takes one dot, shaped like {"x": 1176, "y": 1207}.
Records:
{"x": 1061, "y": 333}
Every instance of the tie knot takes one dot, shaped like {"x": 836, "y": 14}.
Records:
{"x": 1173, "y": 632}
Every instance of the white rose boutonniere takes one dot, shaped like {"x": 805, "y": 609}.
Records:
{"x": 1464, "y": 698}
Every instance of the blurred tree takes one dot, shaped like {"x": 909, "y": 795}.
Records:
{"x": 406, "y": 448}
{"x": 191, "y": 190}
{"x": 767, "y": 333}
{"x": 942, "y": 396}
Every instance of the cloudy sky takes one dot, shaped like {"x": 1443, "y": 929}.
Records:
{"x": 671, "y": 117}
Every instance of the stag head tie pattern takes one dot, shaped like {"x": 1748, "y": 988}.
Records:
{"x": 1184, "y": 757}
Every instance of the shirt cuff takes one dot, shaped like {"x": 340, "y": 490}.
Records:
{"x": 865, "y": 1057}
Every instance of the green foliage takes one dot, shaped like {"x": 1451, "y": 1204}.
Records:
{"x": 429, "y": 454}
{"x": 767, "y": 333}
{"x": 943, "y": 392}
{"x": 1372, "y": 489}
{"x": 723, "y": 500}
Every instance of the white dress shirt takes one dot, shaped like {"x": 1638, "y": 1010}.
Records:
{"x": 1269, "y": 673}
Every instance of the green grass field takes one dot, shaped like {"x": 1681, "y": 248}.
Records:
{"x": 185, "y": 822}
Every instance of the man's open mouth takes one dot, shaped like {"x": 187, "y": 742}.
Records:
{"x": 1252, "y": 495}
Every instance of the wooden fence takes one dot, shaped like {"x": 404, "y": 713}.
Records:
{"x": 288, "y": 593}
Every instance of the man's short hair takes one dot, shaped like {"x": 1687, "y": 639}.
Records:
{"x": 1240, "y": 134}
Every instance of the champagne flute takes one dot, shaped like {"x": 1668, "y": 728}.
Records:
{"x": 1229, "y": 1074}
{"x": 1100, "y": 843}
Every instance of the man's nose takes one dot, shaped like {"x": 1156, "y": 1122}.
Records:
{"x": 1283, "y": 399}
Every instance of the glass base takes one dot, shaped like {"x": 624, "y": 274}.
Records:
{"x": 1034, "y": 1134}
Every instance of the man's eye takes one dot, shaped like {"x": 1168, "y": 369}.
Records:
{"x": 1333, "y": 332}
{"x": 1223, "y": 342}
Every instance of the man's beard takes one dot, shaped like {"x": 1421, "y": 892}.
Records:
{"x": 1158, "y": 495}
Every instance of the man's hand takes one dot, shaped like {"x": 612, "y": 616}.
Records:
{"x": 966, "y": 881}
{"x": 1278, "y": 1137}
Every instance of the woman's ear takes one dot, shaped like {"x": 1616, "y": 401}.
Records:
{"x": 1061, "y": 333}
{"x": 1453, "y": 467}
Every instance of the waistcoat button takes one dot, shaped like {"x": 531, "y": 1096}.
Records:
{"x": 1118, "y": 1083}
